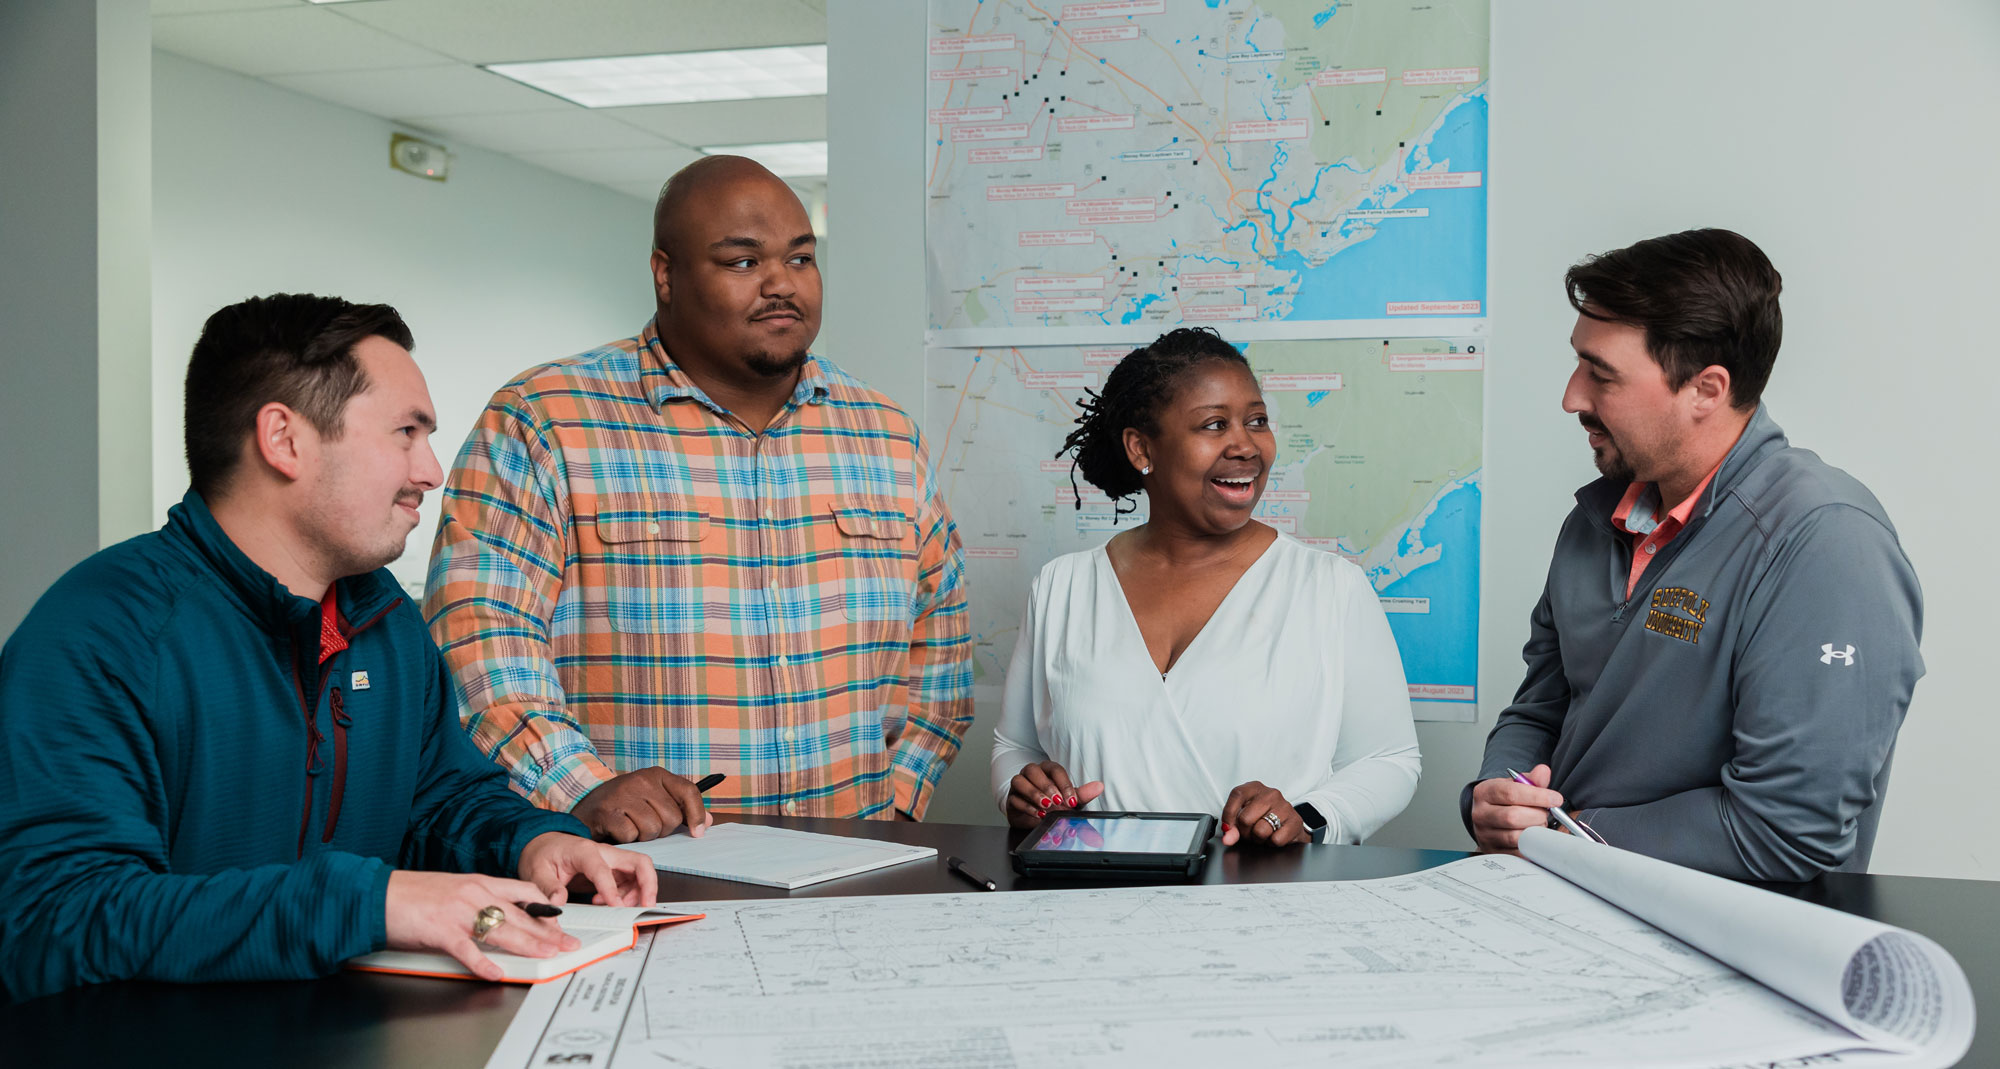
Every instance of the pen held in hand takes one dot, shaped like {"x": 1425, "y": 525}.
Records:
{"x": 538, "y": 909}
{"x": 703, "y": 784}
{"x": 1568, "y": 822}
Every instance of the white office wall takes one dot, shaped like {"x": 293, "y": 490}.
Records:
{"x": 1855, "y": 142}
{"x": 258, "y": 190}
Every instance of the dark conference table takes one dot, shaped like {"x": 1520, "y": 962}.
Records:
{"x": 366, "y": 1019}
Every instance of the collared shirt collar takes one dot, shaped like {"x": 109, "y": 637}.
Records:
{"x": 1638, "y": 512}
{"x": 665, "y": 382}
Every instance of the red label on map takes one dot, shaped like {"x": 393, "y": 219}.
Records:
{"x": 1111, "y": 206}
{"x": 1362, "y": 77}
{"x": 1218, "y": 313}
{"x": 1316, "y": 380}
{"x": 1091, "y": 35}
{"x": 1046, "y": 191}
{"x": 944, "y": 115}
{"x": 991, "y": 553}
{"x": 1437, "y": 362}
{"x": 1094, "y": 122}
{"x": 1059, "y": 380}
{"x": 1268, "y": 129}
{"x": 951, "y": 46}
{"x": 1004, "y": 155}
{"x": 1104, "y": 357}
{"x": 1444, "y": 180}
{"x": 1210, "y": 280}
{"x": 1058, "y": 304}
{"x": 997, "y": 131}
{"x": 1041, "y": 283}
{"x": 969, "y": 73}
{"x": 1057, "y": 237}
{"x": 1441, "y": 76}
{"x": 1111, "y": 9}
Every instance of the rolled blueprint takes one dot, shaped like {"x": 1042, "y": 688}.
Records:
{"x": 1890, "y": 986}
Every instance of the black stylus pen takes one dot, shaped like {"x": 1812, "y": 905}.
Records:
{"x": 976, "y": 879}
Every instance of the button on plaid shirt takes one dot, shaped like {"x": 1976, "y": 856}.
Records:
{"x": 626, "y": 576}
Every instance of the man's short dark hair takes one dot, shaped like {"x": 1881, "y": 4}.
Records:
{"x": 296, "y": 349}
{"x": 1702, "y": 296}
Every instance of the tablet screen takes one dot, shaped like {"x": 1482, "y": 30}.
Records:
{"x": 1118, "y": 835}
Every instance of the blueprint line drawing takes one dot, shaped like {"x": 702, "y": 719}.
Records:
{"x": 1487, "y": 961}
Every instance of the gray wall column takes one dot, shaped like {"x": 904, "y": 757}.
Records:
{"x": 75, "y": 286}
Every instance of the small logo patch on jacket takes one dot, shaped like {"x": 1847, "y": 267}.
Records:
{"x": 1828, "y": 655}
{"x": 1679, "y": 599}
{"x": 359, "y": 682}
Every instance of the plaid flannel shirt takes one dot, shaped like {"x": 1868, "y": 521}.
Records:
{"x": 625, "y": 576}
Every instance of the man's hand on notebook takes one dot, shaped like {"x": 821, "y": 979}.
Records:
{"x": 438, "y": 911}
{"x": 645, "y": 803}
{"x": 620, "y": 877}
{"x": 1502, "y": 809}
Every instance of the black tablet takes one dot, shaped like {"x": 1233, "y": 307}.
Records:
{"x": 1069, "y": 843}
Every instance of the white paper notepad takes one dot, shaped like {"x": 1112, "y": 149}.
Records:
{"x": 774, "y": 857}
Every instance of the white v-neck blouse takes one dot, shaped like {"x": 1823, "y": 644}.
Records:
{"x": 1295, "y": 682}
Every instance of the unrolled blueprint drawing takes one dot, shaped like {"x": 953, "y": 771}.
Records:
{"x": 1487, "y": 961}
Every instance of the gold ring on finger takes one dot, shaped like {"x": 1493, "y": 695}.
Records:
{"x": 489, "y": 918}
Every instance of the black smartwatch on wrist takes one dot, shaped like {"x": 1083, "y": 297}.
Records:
{"x": 1315, "y": 824}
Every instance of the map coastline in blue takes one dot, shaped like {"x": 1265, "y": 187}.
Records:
{"x": 1441, "y": 647}
{"x": 1441, "y": 257}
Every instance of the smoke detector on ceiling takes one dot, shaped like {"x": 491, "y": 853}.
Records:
{"x": 416, "y": 156}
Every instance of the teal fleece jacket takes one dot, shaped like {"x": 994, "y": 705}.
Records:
{"x": 188, "y": 794}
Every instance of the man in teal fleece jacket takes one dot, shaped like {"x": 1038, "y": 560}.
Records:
{"x": 230, "y": 749}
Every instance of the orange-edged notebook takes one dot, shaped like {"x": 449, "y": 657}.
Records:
{"x": 603, "y": 930}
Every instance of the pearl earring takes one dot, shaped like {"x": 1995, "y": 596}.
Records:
{"x": 1147, "y": 470}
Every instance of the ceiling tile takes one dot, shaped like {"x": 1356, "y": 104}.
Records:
{"x": 453, "y": 89}
{"x": 188, "y": 7}
{"x": 616, "y": 167}
{"x": 541, "y": 131}
{"x": 731, "y": 122}
{"x": 500, "y": 31}
{"x": 290, "y": 40}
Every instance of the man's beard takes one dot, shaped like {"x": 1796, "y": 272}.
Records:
{"x": 773, "y": 366}
{"x": 1611, "y": 461}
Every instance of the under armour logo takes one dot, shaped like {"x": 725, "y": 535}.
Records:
{"x": 1827, "y": 654}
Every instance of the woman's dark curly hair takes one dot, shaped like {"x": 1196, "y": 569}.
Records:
{"x": 1133, "y": 395}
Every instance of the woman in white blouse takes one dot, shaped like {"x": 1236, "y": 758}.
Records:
{"x": 1202, "y": 662}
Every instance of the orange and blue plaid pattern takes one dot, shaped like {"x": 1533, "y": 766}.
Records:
{"x": 625, "y": 576}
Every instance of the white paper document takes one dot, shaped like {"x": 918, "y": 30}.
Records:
{"x": 774, "y": 857}
{"x": 1489, "y": 961}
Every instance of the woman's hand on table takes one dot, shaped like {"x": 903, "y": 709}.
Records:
{"x": 1042, "y": 788}
{"x": 1244, "y": 818}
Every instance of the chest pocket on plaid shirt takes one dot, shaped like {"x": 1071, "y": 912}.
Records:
{"x": 652, "y": 570}
{"x": 876, "y": 541}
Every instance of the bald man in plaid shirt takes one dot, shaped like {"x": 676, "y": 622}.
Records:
{"x": 703, "y": 549}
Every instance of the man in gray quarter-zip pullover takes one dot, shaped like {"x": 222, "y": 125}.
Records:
{"x": 1727, "y": 643}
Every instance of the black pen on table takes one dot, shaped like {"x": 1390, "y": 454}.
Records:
{"x": 981, "y": 882}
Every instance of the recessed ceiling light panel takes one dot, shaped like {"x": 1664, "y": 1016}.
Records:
{"x": 786, "y": 159}
{"x": 677, "y": 77}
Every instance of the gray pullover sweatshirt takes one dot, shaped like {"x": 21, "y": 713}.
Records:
{"x": 1738, "y": 711}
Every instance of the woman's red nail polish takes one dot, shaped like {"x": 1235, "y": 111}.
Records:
{"x": 1072, "y": 799}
